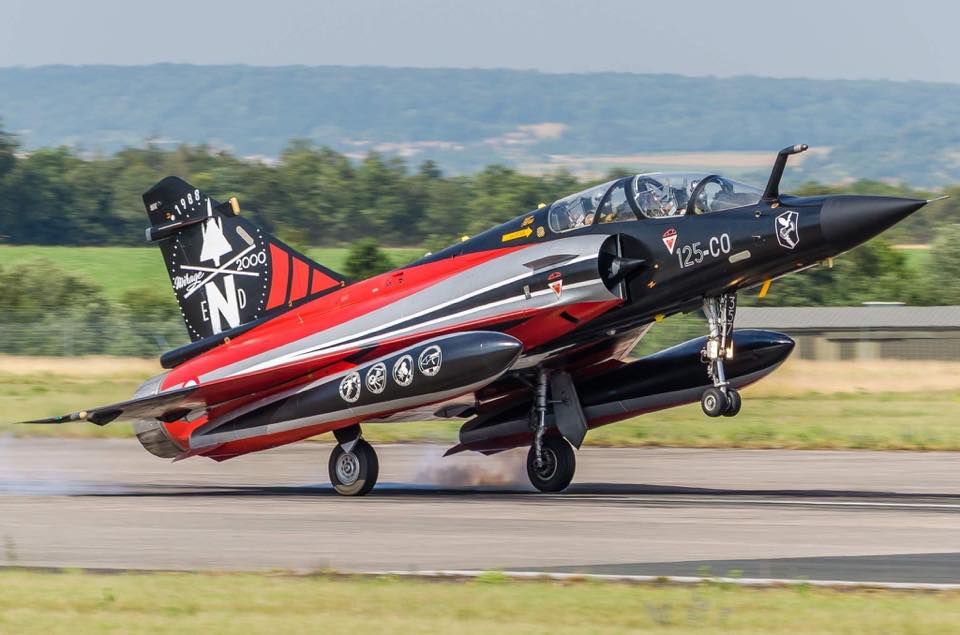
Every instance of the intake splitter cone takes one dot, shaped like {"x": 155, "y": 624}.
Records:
{"x": 620, "y": 269}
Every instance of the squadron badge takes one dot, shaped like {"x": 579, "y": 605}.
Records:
{"x": 430, "y": 360}
{"x": 350, "y": 387}
{"x": 377, "y": 378}
{"x": 787, "y": 228}
{"x": 403, "y": 371}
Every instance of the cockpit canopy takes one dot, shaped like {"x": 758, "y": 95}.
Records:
{"x": 651, "y": 195}
{"x": 577, "y": 210}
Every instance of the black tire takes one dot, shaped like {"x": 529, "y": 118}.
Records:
{"x": 361, "y": 462}
{"x": 713, "y": 402}
{"x": 560, "y": 464}
{"x": 733, "y": 403}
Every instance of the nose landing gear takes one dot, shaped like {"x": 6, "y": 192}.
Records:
{"x": 721, "y": 399}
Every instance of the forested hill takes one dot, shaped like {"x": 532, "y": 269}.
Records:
{"x": 469, "y": 118}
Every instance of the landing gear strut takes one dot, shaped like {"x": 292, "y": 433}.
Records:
{"x": 721, "y": 399}
{"x": 353, "y": 465}
{"x": 551, "y": 461}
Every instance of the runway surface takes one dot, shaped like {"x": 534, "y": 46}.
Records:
{"x": 869, "y": 516}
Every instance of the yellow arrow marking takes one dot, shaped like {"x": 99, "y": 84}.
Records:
{"x": 522, "y": 233}
{"x": 765, "y": 288}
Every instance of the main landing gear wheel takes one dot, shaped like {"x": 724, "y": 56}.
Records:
{"x": 733, "y": 403}
{"x": 354, "y": 473}
{"x": 556, "y": 466}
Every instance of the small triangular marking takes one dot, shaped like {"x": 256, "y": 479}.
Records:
{"x": 557, "y": 286}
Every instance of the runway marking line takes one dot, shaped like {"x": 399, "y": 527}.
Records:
{"x": 761, "y": 501}
{"x": 463, "y": 574}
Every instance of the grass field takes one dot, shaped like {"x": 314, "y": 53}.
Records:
{"x": 118, "y": 269}
{"x": 76, "y": 602}
{"x": 802, "y": 405}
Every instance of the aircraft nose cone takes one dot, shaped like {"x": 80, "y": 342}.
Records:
{"x": 847, "y": 221}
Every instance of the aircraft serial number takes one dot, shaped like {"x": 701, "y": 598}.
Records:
{"x": 694, "y": 253}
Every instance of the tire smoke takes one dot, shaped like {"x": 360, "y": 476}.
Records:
{"x": 504, "y": 470}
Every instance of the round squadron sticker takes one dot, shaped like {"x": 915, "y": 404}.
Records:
{"x": 350, "y": 387}
{"x": 377, "y": 378}
{"x": 430, "y": 360}
{"x": 403, "y": 371}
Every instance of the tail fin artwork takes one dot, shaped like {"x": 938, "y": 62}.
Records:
{"x": 225, "y": 271}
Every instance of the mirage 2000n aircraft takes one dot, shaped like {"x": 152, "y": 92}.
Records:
{"x": 522, "y": 331}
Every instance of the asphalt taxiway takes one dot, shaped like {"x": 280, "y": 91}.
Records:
{"x": 831, "y": 515}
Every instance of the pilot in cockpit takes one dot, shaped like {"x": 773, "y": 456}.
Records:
{"x": 654, "y": 199}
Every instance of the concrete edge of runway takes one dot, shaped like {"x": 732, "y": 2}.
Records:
{"x": 455, "y": 575}
{"x": 670, "y": 579}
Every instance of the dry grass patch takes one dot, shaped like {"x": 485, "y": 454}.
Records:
{"x": 803, "y": 377}
{"x": 90, "y": 367}
{"x": 869, "y": 405}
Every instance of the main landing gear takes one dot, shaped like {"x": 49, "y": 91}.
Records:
{"x": 551, "y": 461}
{"x": 353, "y": 463}
{"x": 721, "y": 399}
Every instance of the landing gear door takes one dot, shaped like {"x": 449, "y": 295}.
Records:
{"x": 571, "y": 421}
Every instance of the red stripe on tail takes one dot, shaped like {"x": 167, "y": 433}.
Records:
{"x": 301, "y": 278}
{"x": 280, "y": 263}
{"x": 321, "y": 281}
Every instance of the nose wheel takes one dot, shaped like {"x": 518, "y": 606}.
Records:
{"x": 721, "y": 403}
{"x": 733, "y": 403}
{"x": 721, "y": 399}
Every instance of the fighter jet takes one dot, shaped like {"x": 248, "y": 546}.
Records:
{"x": 522, "y": 332}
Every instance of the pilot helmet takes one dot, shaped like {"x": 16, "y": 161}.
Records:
{"x": 668, "y": 203}
{"x": 655, "y": 198}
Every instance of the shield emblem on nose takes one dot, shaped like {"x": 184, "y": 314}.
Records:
{"x": 786, "y": 227}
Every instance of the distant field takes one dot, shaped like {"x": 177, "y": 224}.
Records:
{"x": 753, "y": 165}
{"x": 76, "y": 602}
{"x": 804, "y": 405}
{"x": 118, "y": 269}
{"x": 917, "y": 255}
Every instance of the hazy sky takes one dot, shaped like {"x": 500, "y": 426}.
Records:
{"x": 890, "y": 39}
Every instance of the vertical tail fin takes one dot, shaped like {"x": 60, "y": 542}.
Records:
{"x": 225, "y": 271}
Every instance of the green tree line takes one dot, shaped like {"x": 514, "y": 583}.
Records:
{"x": 311, "y": 196}
{"x": 318, "y": 197}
